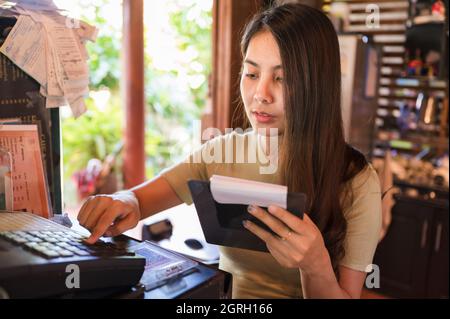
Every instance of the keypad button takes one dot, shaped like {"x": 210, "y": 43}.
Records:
{"x": 52, "y": 244}
{"x": 20, "y": 240}
{"x": 50, "y": 253}
{"x": 65, "y": 253}
{"x": 80, "y": 252}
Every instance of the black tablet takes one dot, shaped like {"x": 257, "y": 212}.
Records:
{"x": 222, "y": 223}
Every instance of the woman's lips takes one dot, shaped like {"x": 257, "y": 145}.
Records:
{"x": 263, "y": 117}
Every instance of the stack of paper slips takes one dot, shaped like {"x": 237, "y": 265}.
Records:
{"x": 50, "y": 47}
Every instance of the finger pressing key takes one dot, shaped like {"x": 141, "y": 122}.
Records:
{"x": 103, "y": 223}
{"x": 83, "y": 213}
{"x": 96, "y": 212}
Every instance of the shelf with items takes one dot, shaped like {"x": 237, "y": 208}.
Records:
{"x": 412, "y": 87}
{"x": 426, "y": 39}
{"x": 431, "y": 191}
{"x": 420, "y": 135}
{"x": 414, "y": 82}
{"x": 413, "y": 141}
{"x": 424, "y": 115}
{"x": 402, "y": 93}
{"x": 417, "y": 178}
{"x": 410, "y": 138}
{"x": 428, "y": 20}
{"x": 406, "y": 147}
{"x": 419, "y": 174}
{"x": 412, "y": 109}
{"x": 425, "y": 12}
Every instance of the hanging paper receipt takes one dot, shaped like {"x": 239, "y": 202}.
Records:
{"x": 231, "y": 190}
{"x": 50, "y": 46}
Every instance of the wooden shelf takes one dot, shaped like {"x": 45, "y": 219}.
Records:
{"x": 417, "y": 82}
{"x": 398, "y": 97}
{"x": 424, "y": 20}
{"x": 419, "y": 88}
{"x": 412, "y": 144}
{"x": 428, "y": 188}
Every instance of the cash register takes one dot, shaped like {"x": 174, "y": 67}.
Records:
{"x": 40, "y": 259}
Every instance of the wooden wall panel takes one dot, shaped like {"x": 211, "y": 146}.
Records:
{"x": 229, "y": 19}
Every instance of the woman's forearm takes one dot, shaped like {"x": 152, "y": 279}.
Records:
{"x": 155, "y": 196}
{"x": 322, "y": 283}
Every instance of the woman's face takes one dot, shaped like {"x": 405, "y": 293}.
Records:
{"x": 262, "y": 83}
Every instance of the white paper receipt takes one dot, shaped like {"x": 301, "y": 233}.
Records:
{"x": 231, "y": 190}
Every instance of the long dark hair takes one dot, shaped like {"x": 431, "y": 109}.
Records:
{"x": 314, "y": 157}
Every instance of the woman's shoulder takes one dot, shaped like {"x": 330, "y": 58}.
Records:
{"x": 362, "y": 190}
{"x": 367, "y": 178}
{"x": 360, "y": 173}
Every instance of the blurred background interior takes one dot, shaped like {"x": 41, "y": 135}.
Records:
{"x": 394, "y": 56}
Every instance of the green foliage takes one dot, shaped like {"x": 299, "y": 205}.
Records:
{"x": 93, "y": 135}
{"x": 172, "y": 105}
{"x": 197, "y": 37}
{"x": 104, "y": 53}
{"x": 105, "y": 63}
{"x": 169, "y": 106}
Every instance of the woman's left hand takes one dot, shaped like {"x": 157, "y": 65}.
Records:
{"x": 299, "y": 243}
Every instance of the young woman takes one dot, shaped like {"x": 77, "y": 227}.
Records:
{"x": 290, "y": 82}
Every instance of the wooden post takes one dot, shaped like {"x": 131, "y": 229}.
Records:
{"x": 133, "y": 91}
{"x": 229, "y": 19}
{"x": 443, "y": 132}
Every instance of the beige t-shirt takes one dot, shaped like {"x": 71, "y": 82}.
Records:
{"x": 258, "y": 274}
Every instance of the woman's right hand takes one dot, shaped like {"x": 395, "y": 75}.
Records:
{"x": 109, "y": 215}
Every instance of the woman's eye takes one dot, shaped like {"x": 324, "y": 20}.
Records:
{"x": 251, "y": 76}
{"x": 279, "y": 79}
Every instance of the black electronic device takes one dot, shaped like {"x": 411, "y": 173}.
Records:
{"x": 157, "y": 231}
{"x": 222, "y": 223}
{"x": 40, "y": 258}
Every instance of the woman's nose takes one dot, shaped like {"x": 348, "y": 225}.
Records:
{"x": 263, "y": 94}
